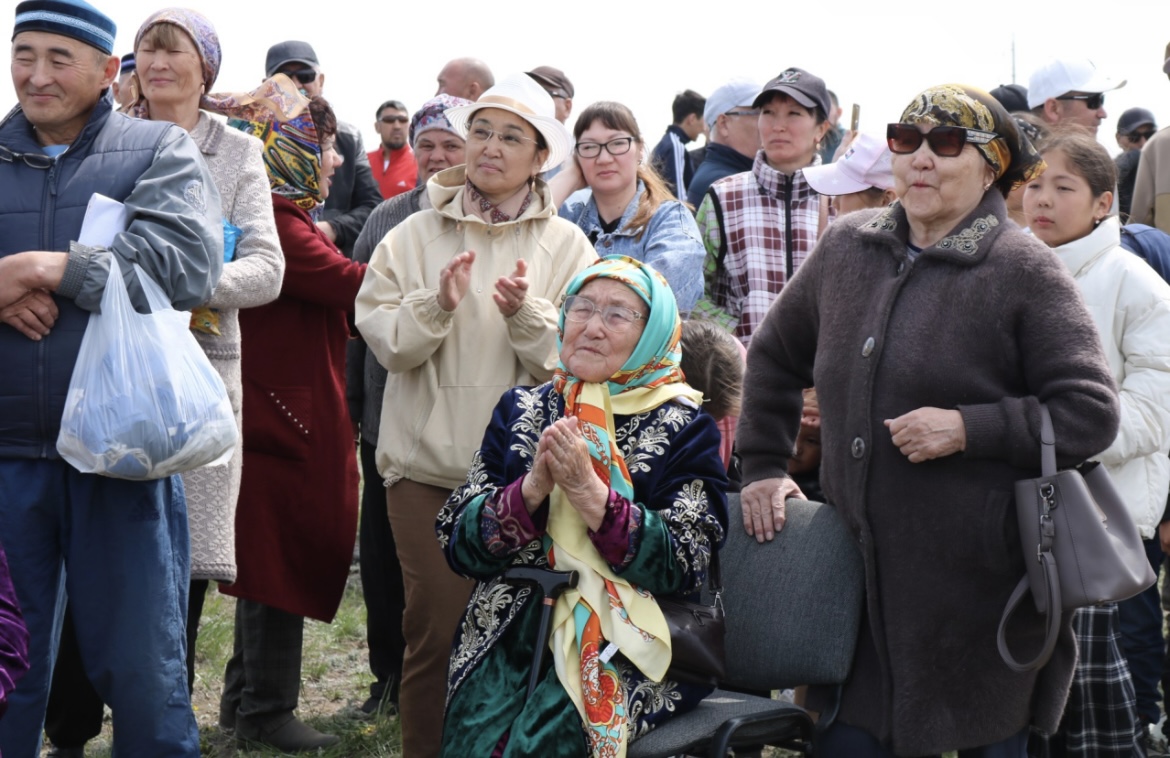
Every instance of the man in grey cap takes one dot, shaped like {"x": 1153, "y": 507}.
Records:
{"x": 120, "y": 547}
{"x": 353, "y": 194}
{"x": 1134, "y": 128}
{"x": 734, "y": 137}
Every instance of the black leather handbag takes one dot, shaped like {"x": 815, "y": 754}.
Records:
{"x": 1081, "y": 546}
{"x": 697, "y": 653}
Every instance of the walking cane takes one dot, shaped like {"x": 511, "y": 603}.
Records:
{"x": 552, "y": 583}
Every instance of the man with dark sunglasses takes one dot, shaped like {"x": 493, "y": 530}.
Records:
{"x": 393, "y": 163}
{"x": 1070, "y": 90}
{"x": 353, "y": 193}
{"x": 1134, "y": 129}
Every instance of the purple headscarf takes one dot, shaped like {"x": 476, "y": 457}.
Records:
{"x": 201, "y": 32}
{"x": 432, "y": 116}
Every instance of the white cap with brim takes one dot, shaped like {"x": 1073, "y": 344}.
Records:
{"x": 866, "y": 164}
{"x": 737, "y": 93}
{"x": 1060, "y": 77}
{"x": 521, "y": 95}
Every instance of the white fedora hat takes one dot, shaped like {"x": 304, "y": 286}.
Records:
{"x": 521, "y": 95}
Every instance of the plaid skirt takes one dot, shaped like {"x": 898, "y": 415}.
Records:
{"x": 1100, "y": 719}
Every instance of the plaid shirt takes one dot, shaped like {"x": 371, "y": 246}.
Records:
{"x": 745, "y": 220}
{"x": 1100, "y": 720}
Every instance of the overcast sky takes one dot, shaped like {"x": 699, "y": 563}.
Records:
{"x": 642, "y": 52}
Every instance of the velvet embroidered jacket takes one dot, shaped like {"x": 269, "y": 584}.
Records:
{"x": 661, "y": 543}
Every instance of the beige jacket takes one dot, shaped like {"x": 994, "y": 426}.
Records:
{"x": 448, "y": 370}
{"x": 1151, "y": 189}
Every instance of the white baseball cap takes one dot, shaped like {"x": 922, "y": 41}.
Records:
{"x": 1060, "y": 76}
{"x": 737, "y": 93}
{"x": 866, "y": 164}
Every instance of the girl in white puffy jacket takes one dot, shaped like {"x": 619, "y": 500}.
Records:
{"x": 1067, "y": 207}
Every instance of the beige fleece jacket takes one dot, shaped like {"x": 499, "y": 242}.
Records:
{"x": 447, "y": 370}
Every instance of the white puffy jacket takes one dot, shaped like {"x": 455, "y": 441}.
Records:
{"x": 1130, "y": 304}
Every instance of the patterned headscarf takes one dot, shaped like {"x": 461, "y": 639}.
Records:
{"x": 604, "y": 606}
{"x": 431, "y": 116}
{"x": 278, "y": 114}
{"x": 1012, "y": 155}
{"x": 201, "y": 32}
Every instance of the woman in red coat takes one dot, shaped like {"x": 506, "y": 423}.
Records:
{"x": 297, "y": 513}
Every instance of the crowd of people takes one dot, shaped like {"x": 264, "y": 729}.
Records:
{"x": 548, "y": 346}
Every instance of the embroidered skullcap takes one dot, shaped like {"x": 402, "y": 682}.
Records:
{"x": 69, "y": 18}
{"x": 432, "y": 116}
{"x": 1011, "y": 154}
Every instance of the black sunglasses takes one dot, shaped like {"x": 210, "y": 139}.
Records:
{"x": 32, "y": 160}
{"x": 304, "y": 76}
{"x": 394, "y": 119}
{"x": 1139, "y": 136}
{"x": 1092, "y": 102}
{"x": 944, "y": 141}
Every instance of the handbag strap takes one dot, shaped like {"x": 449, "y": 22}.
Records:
{"x": 1052, "y": 630}
{"x": 1047, "y": 443}
{"x": 714, "y": 574}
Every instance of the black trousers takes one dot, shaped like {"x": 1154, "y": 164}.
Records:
{"x": 382, "y": 588}
{"x": 74, "y": 714}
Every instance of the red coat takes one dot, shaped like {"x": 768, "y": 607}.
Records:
{"x": 297, "y": 513}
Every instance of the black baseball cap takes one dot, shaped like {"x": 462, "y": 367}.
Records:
{"x": 1013, "y": 97}
{"x": 807, "y": 89}
{"x": 291, "y": 51}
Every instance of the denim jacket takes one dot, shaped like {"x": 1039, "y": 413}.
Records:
{"x": 670, "y": 243}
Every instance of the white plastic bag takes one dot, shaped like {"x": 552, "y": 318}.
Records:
{"x": 144, "y": 402}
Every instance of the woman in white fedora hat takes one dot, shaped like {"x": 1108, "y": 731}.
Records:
{"x": 460, "y": 304}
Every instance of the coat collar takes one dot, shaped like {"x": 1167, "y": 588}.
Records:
{"x": 590, "y": 221}
{"x": 1080, "y": 254}
{"x": 967, "y": 244}
{"x": 773, "y": 183}
{"x": 445, "y": 191}
{"x": 208, "y": 133}
{"x": 17, "y": 133}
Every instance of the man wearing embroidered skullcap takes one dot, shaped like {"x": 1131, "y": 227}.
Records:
{"x": 120, "y": 547}
{"x": 125, "y": 91}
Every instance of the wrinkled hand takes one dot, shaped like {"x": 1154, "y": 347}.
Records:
{"x": 538, "y": 483}
{"x": 928, "y": 433}
{"x": 32, "y": 315}
{"x": 454, "y": 280}
{"x": 511, "y": 290}
{"x": 572, "y": 470}
{"x": 1164, "y": 536}
{"x": 762, "y": 503}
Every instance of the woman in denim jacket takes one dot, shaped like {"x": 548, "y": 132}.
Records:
{"x": 627, "y": 208}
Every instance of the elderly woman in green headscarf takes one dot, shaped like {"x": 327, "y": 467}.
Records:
{"x": 612, "y": 470}
{"x": 932, "y": 330}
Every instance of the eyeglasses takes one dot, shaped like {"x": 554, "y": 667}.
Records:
{"x": 510, "y": 140}
{"x": 32, "y": 160}
{"x": 394, "y": 119}
{"x": 1139, "y": 136}
{"x": 1092, "y": 102}
{"x": 944, "y": 141}
{"x": 304, "y": 76}
{"x": 615, "y": 318}
{"x": 742, "y": 113}
{"x": 619, "y": 146}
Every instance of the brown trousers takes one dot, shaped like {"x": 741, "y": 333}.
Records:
{"x": 435, "y": 600}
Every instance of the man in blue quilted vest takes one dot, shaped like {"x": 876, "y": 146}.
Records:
{"x": 119, "y": 549}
